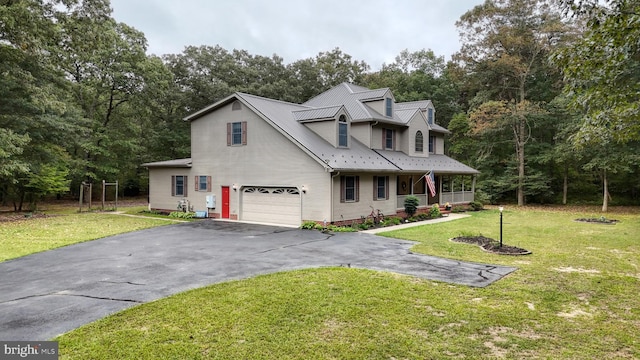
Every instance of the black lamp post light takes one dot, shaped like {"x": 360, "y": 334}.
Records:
{"x": 501, "y": 208}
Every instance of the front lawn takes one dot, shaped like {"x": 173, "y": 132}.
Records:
{"x": 574, "y": 297}
{"x": 30, "y": 235}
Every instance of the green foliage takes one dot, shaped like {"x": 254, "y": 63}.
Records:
{"x": 308, "y": 225}
{"x": 476, "y": 206}
{"x": 411, "y": 205}
{"x": 458, "y": 209}
{"x": 601, "y": 70}
{"x": 182, "y": 214}
{"x": 423, "y": 216}
{"x": 434, "y": 212}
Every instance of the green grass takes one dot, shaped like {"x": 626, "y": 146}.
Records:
{"x": 574, "y": 297}
{"x": 28, "y": 236}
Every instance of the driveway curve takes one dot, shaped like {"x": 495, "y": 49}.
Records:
{"x": 47, "y": 294}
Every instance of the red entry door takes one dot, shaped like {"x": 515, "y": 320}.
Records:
{"x": 225, "y": 202}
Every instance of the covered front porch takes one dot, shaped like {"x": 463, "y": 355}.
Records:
{"x": 450, "y": 188}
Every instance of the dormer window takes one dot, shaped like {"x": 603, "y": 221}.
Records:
{"x": 419, "y": 141}
{"x": 430, "y": 116}
{"x": 343, "y": 132}
{"x": 388, "y": 107}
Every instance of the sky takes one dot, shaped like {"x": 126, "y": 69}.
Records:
{"x": 374, "y": 31}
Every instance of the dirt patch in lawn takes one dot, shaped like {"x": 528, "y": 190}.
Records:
{"x": 491, "y": 245}
{"x": 23, "y": 216}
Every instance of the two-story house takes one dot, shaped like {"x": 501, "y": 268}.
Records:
{"x": 332, "y": 159}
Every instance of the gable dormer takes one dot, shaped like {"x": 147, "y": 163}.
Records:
{"x": 381, "y": 100}
{"x": 333, "y": 124}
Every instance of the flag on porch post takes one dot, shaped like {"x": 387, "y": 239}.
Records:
{"x": 431, "y": 183}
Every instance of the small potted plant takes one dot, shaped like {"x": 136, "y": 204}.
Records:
{"x": 447, "y": 206}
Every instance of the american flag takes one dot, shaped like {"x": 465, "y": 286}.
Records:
{"x": 431, "y": 183}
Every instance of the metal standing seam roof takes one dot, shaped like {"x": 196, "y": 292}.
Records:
{"x": 439, "y": 163}
{"x": 316, "y": 113}
{"x": 356, "y": 157}
{"x": 176, "y": 163}
{"x": 289, "y": 118}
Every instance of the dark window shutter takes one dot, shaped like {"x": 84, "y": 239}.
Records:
{"x": 208, "y": 183}
{"x": 357, "y": 188}
{"x": 244, "y": 133}
{"x": 384, "y": 139}
{"x": 197, "y": 182}
{"x": 386, "y": 186}
{"x": 375, "y": 188}
{"x": 393, "y": 140}
{"x": 173, "y": 185}
{"x": 186, "y": 185}
{"x": 228, "y": 134}
{"x": 342, "y": 191}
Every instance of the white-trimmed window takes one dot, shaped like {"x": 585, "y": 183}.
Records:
{"x": 349, "y": 188}
{"x": 419, "y": 142}
{"x": 388, "y": 107}
{"x": 343, "y": 131}
{"x": 237, "y": 133}
{"x": 179, "y": 185}
{"x": 432, "y": 144}
{"x": 380, "y": 188}
{"x": 203, "y": 183}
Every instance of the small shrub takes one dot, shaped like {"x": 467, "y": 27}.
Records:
{"x": 476, "y": 206}
{"x": 411, "y": 205}
{"x": 458, "y": 209}
{"x": 395, "y": 220}
{"x": 434, "y": 212}
{"x": 422, "y": 216}
{"x": 308, "y": 225}
{"x": 335, "y": 228}
{"x": 182, "y": 215}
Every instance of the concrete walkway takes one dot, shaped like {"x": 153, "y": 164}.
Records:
{"x": 450, "y": 217}
{"x": 49, "y": 293}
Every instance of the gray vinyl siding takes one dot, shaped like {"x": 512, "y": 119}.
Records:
{"x": 354, "y": 210}
{"x": 268, "y": 159}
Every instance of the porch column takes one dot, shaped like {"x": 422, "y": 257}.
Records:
{"x": 473, "y": 186}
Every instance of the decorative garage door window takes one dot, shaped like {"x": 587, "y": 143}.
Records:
{"x": 262, "y": 190}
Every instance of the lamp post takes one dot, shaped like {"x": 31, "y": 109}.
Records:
{"x": 501, "y": 208}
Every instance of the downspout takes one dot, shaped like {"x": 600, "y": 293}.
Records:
{"x": 332, "y": 196}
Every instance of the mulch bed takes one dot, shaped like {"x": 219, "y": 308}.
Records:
{"x": 598, "y": 221}
{"x": 23, "y": 216}
{"x": 491, "y": 245}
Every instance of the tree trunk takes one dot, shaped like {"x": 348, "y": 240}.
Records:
{"x": 520, "y": 142}
{"x": 605, "y": 198}
{"x": 565, "y": 185}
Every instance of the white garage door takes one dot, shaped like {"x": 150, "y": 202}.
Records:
{"x": 277, "y": 205}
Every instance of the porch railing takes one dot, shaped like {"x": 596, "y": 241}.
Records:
{"x": 421, "y": 197}
{"x": 456, "y": 197}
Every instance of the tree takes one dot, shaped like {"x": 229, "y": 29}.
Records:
{"x": 416, "y": 76}
{"x": 506, "y": 43}
{"x": 602, "y": 69}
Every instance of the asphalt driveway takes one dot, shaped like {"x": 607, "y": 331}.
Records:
{"x": 47, "y": 294}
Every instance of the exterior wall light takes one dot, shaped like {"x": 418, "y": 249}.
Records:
{"x": 234, "y": 187}
{"x": 304, "y": 189}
